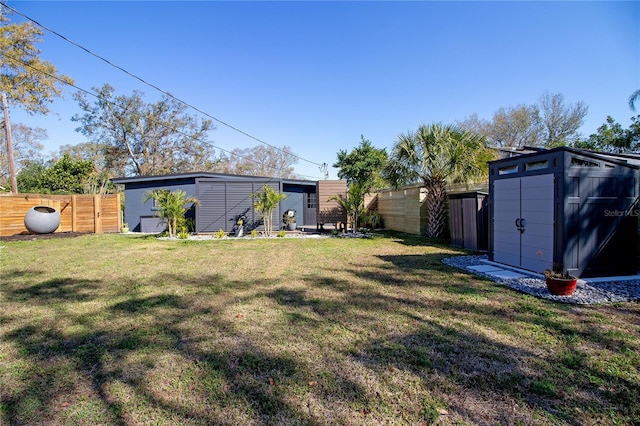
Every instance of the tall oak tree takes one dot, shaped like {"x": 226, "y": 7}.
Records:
{"x": 144, "y": 138}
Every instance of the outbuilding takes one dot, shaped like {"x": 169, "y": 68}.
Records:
{"x": 224, "y": 198}
{"x": 565, "y": 207}
{"x": 468, "y": 219}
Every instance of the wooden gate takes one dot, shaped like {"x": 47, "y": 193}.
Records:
{"x": 83, "y": 213}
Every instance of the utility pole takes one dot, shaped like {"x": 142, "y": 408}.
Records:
{"x": 323, "y": 169}
{"x": 7, "y": 129}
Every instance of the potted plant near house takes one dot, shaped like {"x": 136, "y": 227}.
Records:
{"x": 289, "y": 220}
{"x": 240, "y": 226}
{"x": 559, "y": 281}
{"x": 124, "y": 228}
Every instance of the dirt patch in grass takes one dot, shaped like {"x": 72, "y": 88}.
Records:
{"x": 35, "y": 237}
{"x": 115, "y": 329}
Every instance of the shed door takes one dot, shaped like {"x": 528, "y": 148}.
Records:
{"x": 523, "y": 222}
{"x": 506, "y": 210}
{"x": 456, "y": 221}
{"x": 537, "y": 213}
{"x": 310, "y": 208}
{"x": 469, "y": 223}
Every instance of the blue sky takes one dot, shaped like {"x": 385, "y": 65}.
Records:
{"x": 317, "y": 75}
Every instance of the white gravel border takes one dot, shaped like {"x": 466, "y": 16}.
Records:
{"x": 587, "y": 292}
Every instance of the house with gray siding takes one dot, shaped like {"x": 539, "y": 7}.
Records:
{"x": 223, "y": 198}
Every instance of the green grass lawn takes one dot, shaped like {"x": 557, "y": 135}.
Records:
{"x": 130, "y": 330}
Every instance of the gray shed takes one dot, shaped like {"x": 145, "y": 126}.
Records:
{"x": 223, "y": 198}
{"x": 468, "y": 220}
{"x": 565, "y": 206}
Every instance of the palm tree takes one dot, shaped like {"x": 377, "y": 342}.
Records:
{"x": 265, "y": 202}
{"x": 435, "y": 155}
{"x": 171, "y": 206}
{"x": 633, "y": 98}
{"x": 352, "y": 202}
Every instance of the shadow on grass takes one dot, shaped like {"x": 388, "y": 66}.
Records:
{"x": 298, "y": 299}
{"x": 478, "y": 363}
{"x": 178, "y": 356}
{"x": 56, "y": 290}
{"x": 409, "y": 270}
{"x": 412, "y": 240}
{"x": 475, "y": 369}
{"x": 119, "y": 349}
{"x": 139, "y": 304}
{"x": 19, "y": 273}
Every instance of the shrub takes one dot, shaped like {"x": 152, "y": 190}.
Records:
{"x": 371, "y": 219}
{"x": 171, "y": 207}
{"x": 264, "y": 202}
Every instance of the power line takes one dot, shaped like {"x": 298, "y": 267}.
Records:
{"x": 269, "y": 179}
{"x": 154, "y": 86}
{"x": 97, "y": 96}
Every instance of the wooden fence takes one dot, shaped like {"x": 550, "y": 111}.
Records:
{"x": 330, "y": 211}
{"x": 78, "y": 213}
{"x": 405, "y": 209}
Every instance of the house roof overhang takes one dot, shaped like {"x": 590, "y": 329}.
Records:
{"x": 206, "y": 175}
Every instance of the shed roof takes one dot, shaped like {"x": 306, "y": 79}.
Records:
{"x": 628, "y": 160}
{"x": 510, "y": 152}
{"x": 199, "y": 175}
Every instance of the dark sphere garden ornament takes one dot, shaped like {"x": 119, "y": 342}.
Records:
{"x": 42, "y": 219}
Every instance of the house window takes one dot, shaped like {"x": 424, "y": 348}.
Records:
{"x": 311, "y": 200}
